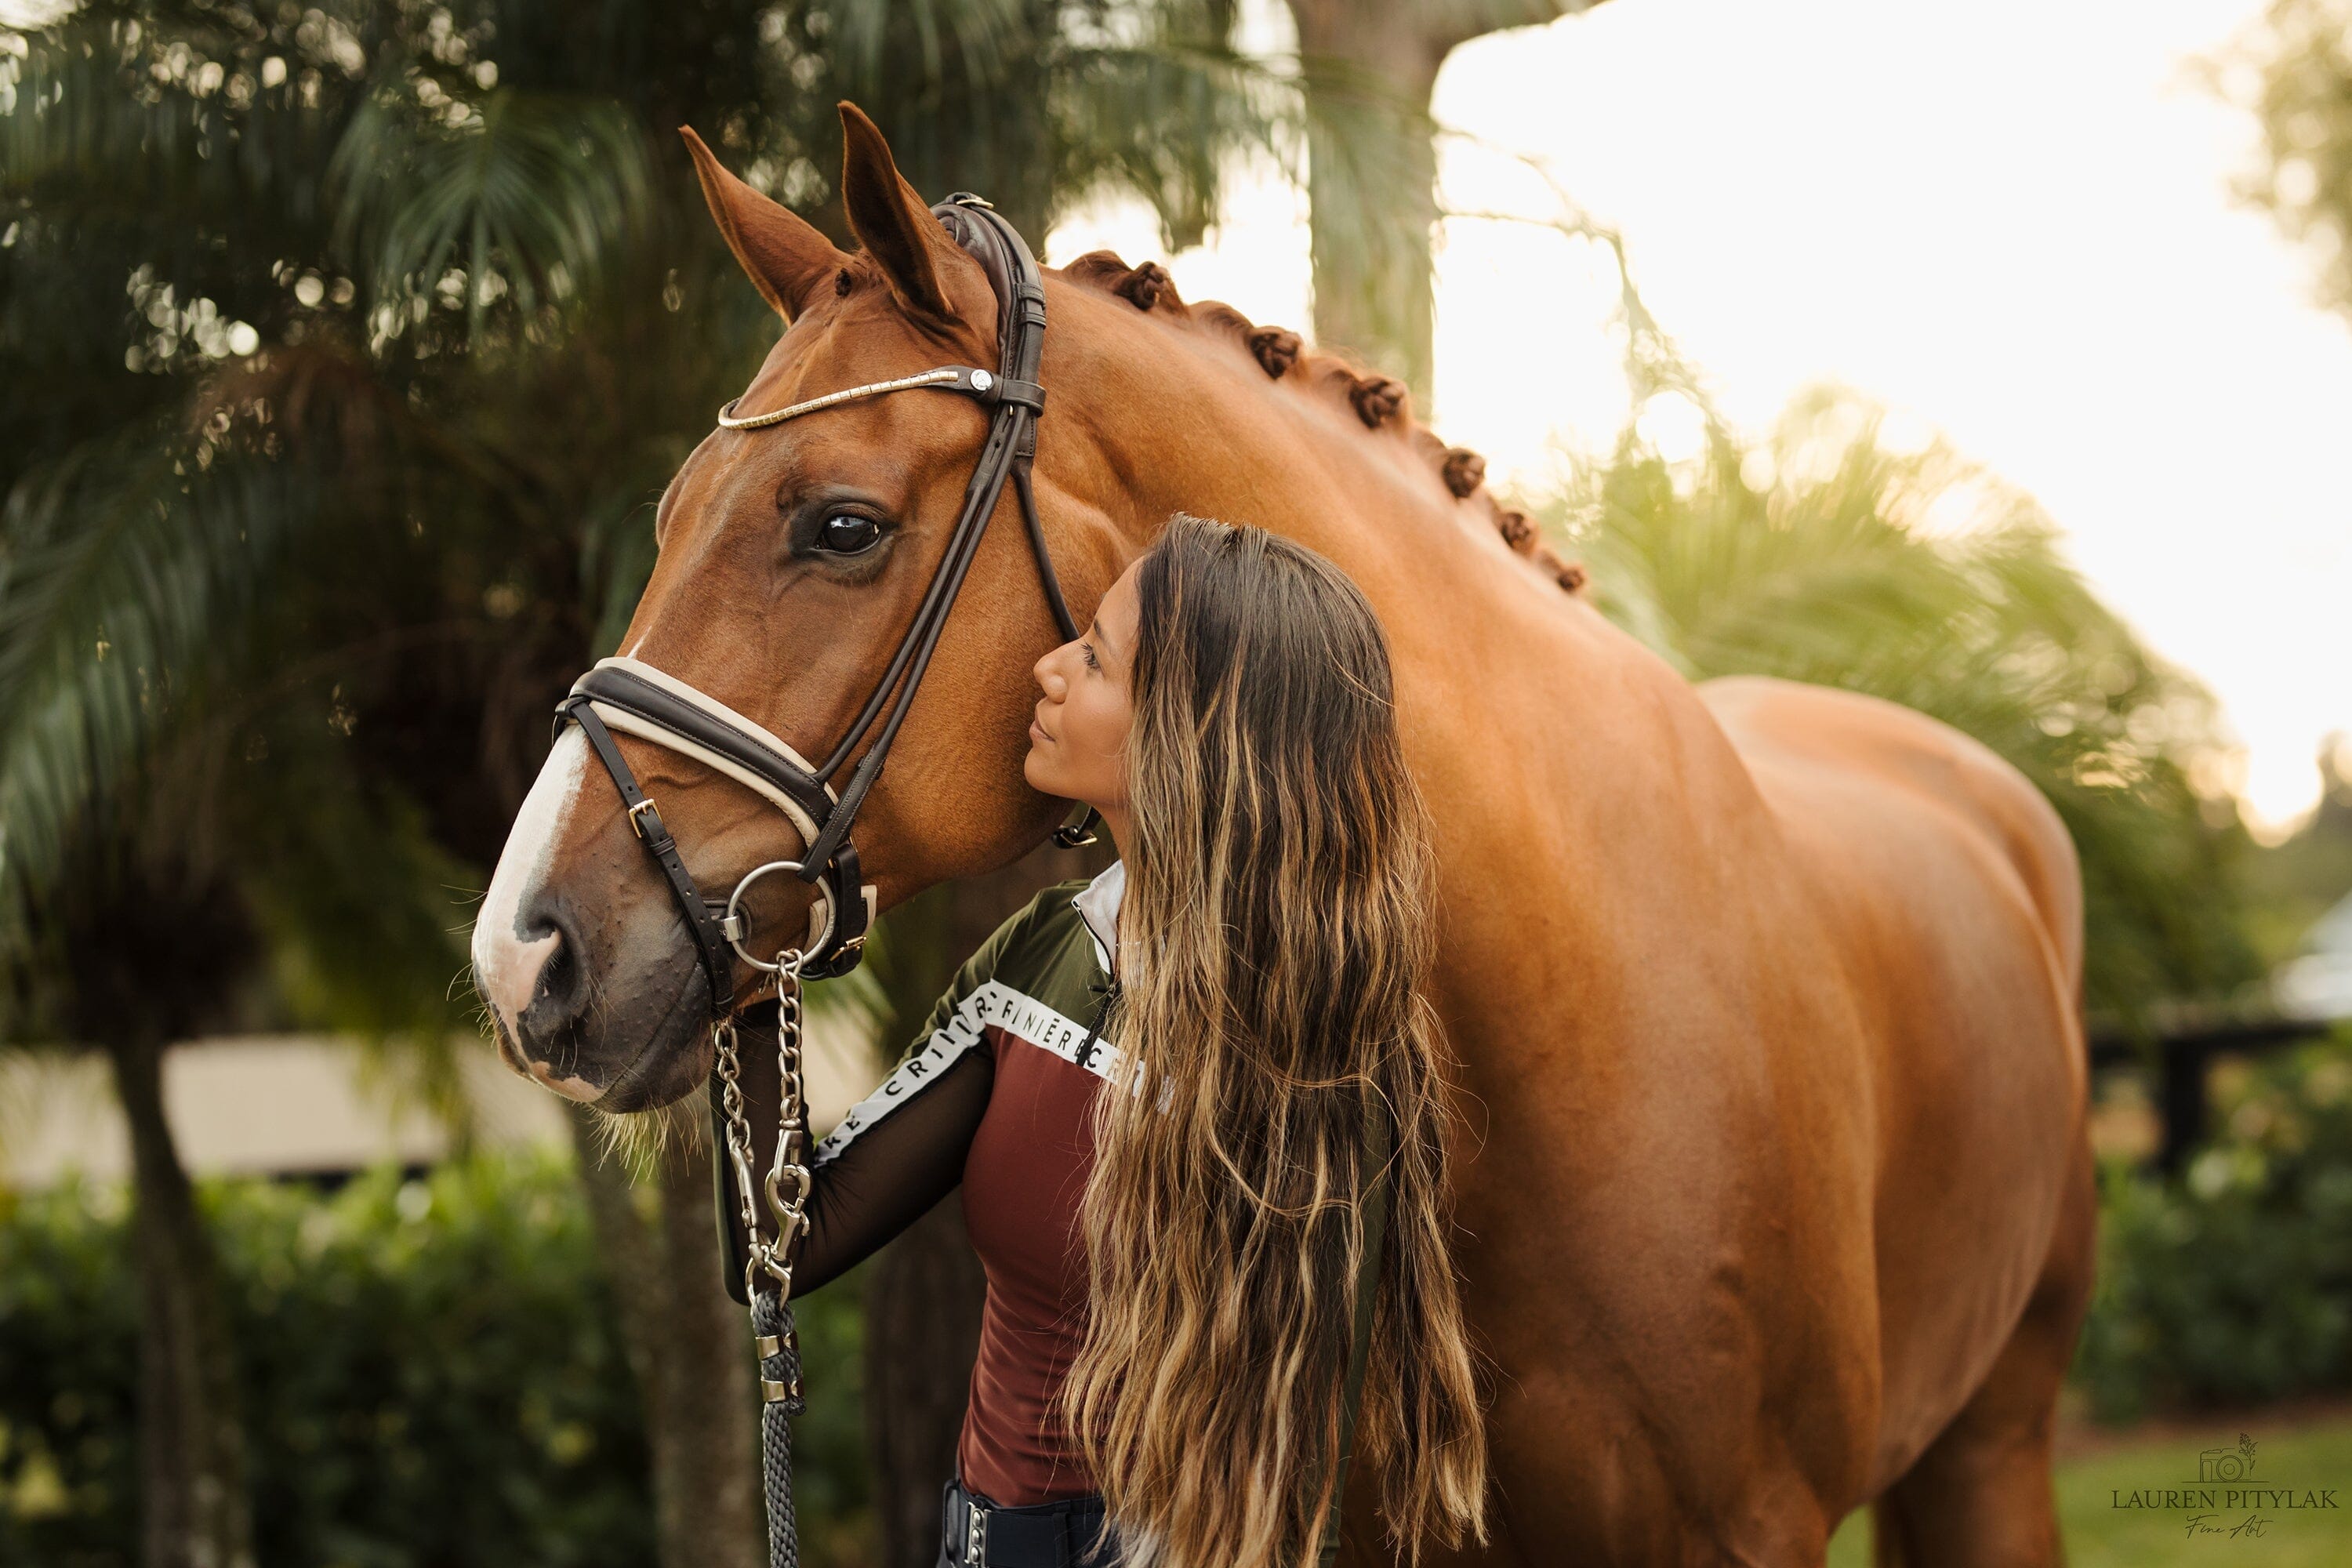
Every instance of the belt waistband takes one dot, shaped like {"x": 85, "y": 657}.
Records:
{"x": 979, "y": 1533}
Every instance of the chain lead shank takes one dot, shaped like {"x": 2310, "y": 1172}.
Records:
{"x": 788, "y": 1182}
{"x": 768, "y": 1268}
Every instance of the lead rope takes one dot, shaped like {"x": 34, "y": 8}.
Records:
{"x": 775, "y": 1339}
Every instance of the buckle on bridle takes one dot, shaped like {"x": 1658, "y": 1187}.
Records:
{"x": 638, "y": 815}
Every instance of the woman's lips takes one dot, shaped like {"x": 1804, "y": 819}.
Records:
{"x": 1038, "y": 736}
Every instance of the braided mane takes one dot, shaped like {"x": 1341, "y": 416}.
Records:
{"x": 1382, "y": 402}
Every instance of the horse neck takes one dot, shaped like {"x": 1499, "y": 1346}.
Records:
{"x": 1181, "y": 421}
{"x": 1501, "y": 675}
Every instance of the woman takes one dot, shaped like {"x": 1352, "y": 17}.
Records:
{"x": 1168, "y": 1093}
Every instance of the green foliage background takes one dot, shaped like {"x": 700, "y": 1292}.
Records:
{"x": 434, "y": 1373}
{"x": 350, "y": 344}
{"x": 432, "y": 1367}
{"x": 2233, "y": 1285}
{"x": 1817, "y": 553}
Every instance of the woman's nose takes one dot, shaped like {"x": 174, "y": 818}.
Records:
{"x": 1049, "y": 677}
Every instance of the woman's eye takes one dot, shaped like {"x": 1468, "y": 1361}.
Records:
{"x": 847, "y": 533}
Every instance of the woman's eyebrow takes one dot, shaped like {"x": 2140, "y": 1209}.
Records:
{"x": 1094, "y": 630}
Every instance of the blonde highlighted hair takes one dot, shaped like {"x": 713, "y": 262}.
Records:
{"x": 1276, "y": 935}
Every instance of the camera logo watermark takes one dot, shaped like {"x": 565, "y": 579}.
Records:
{"x": 2229, "y": 1502}
{"x": 2227, "y": 1465}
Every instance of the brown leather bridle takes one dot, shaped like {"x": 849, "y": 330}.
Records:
{"x": 623, "y": 694}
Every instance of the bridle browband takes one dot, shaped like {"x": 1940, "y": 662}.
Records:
{"x": 634, "y": 699}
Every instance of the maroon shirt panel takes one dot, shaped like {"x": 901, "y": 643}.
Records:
{"x": 1022, "y": 1182}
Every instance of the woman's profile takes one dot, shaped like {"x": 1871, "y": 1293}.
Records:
{"x": 1196, "y": 1105}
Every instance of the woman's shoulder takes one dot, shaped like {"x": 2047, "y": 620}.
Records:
{"x": 1043, "y": 949}
{"x": 1050, "y": 918}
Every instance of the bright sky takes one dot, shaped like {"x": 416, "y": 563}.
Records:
{"x": 2010, "y": 221}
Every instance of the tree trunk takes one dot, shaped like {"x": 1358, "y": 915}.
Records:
{"x": 923, "y": 1296}
{"x": 1370, "y": 66}
{"x": 691, "y": 1349}
{"x": 923, "y": 1292}
{"x": 1371, "y": 171}
{"x": 197, "y": 1511}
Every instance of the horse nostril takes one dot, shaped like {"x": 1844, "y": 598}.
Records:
{"x": 559, "y": 992}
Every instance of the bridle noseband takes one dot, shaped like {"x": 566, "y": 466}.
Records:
{"x": 634, "y": 699}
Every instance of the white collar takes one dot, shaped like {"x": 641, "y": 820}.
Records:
{"x": 1097, "y": 906}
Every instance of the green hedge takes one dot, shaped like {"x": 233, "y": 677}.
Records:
{"x": 2233, "y": 1284}
{"x": 432, "y": 1371}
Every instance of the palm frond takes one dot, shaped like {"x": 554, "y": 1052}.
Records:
{"x": 1162, "y": 118}
{"x": 979, "y": 37}
{"x": 1921, "y": 579}
{"x": 122, "y": 567}
{"x": 519, "y": 194}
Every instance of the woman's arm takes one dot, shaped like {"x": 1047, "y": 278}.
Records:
{"x": 892, "y": 1172}
{"x": 901, "y": 1149}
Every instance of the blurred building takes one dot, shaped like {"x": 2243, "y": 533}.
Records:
{"x": 312, "y": 1105}
{"x": 2318, "y": 982}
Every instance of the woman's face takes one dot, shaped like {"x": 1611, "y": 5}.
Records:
{"x": 1077, "y": 739}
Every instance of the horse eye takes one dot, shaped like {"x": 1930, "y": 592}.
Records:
{"x": 847, "y": 533}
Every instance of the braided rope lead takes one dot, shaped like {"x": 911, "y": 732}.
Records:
{"x": 779, "y": 1386}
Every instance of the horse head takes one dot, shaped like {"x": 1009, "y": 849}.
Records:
{"x": 792, "y": 558}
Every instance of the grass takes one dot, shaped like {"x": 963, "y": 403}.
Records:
{"x": 2101, "y": 1535}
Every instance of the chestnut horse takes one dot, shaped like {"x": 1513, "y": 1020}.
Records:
{"x": 1772, "y": 1156}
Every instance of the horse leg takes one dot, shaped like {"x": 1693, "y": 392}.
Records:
{"x": 1980, "y": 1494}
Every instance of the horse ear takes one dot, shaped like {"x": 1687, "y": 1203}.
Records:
{"x": 782, "y": 252}
{"x": 891, "y": 221}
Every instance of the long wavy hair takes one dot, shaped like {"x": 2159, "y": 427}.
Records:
{"x": 1275, "y": 933}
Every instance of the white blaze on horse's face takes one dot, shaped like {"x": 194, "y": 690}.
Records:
{"x": 511, "y": 951}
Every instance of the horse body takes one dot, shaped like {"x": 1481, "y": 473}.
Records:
{"x": 1771, "y": 1156}
{"x": 1764, "y": 995}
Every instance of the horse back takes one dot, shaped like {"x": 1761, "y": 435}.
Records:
{"x": 1820, "y": 755}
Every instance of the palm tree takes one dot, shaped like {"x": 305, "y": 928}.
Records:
{"x": 2299, "y": 90}
{"x": 135, "y": 944}
{"x": 1366, "y": 71}
{"x": 356, "y": 343}
{"x": 1819, "y": 555}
